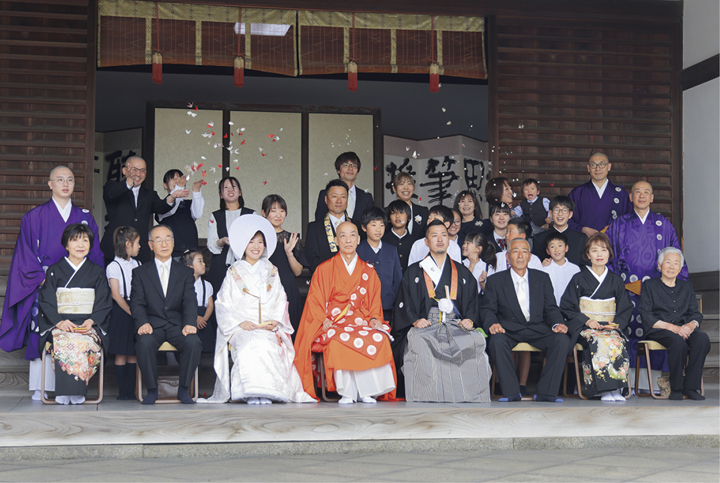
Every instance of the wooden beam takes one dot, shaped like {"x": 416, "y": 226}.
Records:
{"x": 700, "y": 73}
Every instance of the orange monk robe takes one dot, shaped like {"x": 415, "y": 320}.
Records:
{"x": 331, "y": 288}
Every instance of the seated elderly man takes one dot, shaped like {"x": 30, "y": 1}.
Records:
{"x": 436, "y": 312}
{"x": 519, "y": 306}
{"x": 343, "y": 320}
{"x": 671, "y": 317}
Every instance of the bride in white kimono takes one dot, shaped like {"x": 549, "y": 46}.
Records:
{"x": 252, "y": 317}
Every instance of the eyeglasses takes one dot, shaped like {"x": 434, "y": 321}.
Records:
{"x": 559, "y": 211}
{"x": 597, "y": 165}
{"x": 137, "y": 170}
{"x": 64, "y": 181}
{"x": 349, "y": 165}
{"x": 457, "y": 222}
{"x": 163, "y": 241}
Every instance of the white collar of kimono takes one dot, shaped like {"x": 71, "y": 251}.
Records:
{"x": 76, "y": 268}
{"x": 64, "y": 212}
{"x": 599, "y": 278}
{"x": 244, "y": 228}
{"x": 351, "y": 266}
{"x": 643, "y": 218}
{"x": 431, "y": 268}
{"x": 601, "y": 189}
{"x": 252, "y": 268}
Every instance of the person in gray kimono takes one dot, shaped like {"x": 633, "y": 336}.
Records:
{"x": 437, "y": 347}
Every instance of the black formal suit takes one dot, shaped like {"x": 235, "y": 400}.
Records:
{"x": 418, "y": 230}
{"x": 576, "y": 245}
{"x": 500, "y": 306}
{"x": 363, "y": 201}
{"x": 317, "y": 248}
{"x": 167, "y": 314}
{"x": 121, "y": 211}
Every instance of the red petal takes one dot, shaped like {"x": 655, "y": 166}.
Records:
{"x": 271, "y": 135}
{"x": 204, "y": 173}
{"x": 219, "y": 165}
{"x": 212, "y": 221}
{"x": 552, "y": 184}
{"x": 419, "y": 199}
{"x": 212, "y": 132}
{"x": 237, "y": 167}
{"x": 263, "y": 154}
{"x": 265, "y": 182}
{"x": 225, "y": 136}
{"x": 201, "y": 165}
{"x": 242, "y": 142}
{"x": 374, "y": 168}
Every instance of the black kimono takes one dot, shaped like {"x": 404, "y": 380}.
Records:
{"x": 602, "y": 370}
{"x": 287, "y": 276}
{"x": 76, "y": 354}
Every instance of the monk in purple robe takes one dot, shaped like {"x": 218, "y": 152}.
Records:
{"x": 636, "y": 240}
{"x": 39, "y": 246}
{"x": 597, "y": 202}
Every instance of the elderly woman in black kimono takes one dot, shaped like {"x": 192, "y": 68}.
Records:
{"x": 598, "y": 311}
{"x": 75, "y": 302}
{"x": 670, "y": 316}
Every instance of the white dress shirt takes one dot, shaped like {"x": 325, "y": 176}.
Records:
{"x": 601, "y": 189}
{"x": 523, "y": 300}
{"x": 196, "y": 208}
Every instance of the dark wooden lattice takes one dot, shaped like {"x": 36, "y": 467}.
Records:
{"x": 47, "y": 110}
{"x": 566, "y": 88}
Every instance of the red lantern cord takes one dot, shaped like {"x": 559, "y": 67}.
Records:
{"x": 157, "y": 53}
{"x": 434, "y": 66}
{"x": 352, "y": 62}
{"x": 239, "y": 61}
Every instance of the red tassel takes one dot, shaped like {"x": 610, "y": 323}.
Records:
{"x": 239, "y": 64}
{"x": 157, "y": 67}
{"x": 352, "y": 75}
{"x": 434, "y": 77}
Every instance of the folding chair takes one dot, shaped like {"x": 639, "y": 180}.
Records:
{"x": 194, "y": 385}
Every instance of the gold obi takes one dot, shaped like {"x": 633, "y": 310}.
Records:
{"x": 602, "y": 310}
{"x": 75, "y": 300}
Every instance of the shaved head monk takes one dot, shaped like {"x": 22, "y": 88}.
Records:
{"x": 636, "y": 240}
{"x": 343, "y": 323}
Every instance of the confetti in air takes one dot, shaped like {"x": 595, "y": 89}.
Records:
{"x": 449, "y": 122}
{"x": 227, "y": 169}
{"x": 443, "y": 109}
{"x": 415, "y": 155}
{"x": 243, "y": 142}
{"x": 211, "y": 124}
{"x": 264, "y": 182}
{"x": 188, "y": 131}
{"x": 407, "y": 148}
{"x": 203, "y": 157}
{"x": 230, "y": 123}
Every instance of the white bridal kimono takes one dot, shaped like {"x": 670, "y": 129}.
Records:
{"x": 262, "y": 360}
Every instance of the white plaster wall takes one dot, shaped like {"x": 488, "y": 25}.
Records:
{"x": 701, "y": 37}
{"x": 701, "y": 141}
{"x": 701, "y": 176}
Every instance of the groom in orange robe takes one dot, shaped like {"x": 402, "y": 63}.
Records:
{"x": 343, "y": 319}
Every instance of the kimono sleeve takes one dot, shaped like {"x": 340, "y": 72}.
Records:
{"x": 623, "y": 305}
{"x": 26, "y": 272}
{"x": 47, "y": 299}
{"x": 570, "y": 304}
{"x": 103, "y": 299}
{"x": 646, "y": 306}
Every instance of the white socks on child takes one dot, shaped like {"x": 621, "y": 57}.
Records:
{"x": 613, "y": 396}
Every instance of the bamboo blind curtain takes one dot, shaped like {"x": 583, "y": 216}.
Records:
{"x": 391, "y": 43}
{"x": 196, "y": 35}
{"x": 289, "y": 42}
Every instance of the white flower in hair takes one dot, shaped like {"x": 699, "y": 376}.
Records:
{"x": 445, "y": 306}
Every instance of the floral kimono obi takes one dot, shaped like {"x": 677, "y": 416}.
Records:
{"x": 350, "y": 324}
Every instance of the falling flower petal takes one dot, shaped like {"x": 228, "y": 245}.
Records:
{"x": 227, "y": 169}
{"x": 188, "y": 131}
{"x": 212, "y": 132}
{"x": 260, "y": 149}
{"x": 187, "y": 177}
{"x": 407, "y": 148}
{"x": 204, "y": 173}
{"x": 211, "y": 124}
{"x": 449, "y": 122}
{"x": 243, "y": 142}
{"x": 264, "y": 182}
{"x": 230, "y": 123}
{"x": 443, "y": 109}
{"x": 225, "y": 136}
{"x": 242, "y": 129}
{"x": 271, "y": 135}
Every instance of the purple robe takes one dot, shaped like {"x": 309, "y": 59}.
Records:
{"x": 38, "y": 246}
{"x": 636, "y": 247}
{"x": 595, "y": 212}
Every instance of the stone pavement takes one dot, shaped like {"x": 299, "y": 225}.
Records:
{"x": 640, "y": 464}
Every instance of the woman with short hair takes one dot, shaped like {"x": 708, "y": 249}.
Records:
{"x": 75, "y": 304}
{"x": 670, "y": 316}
